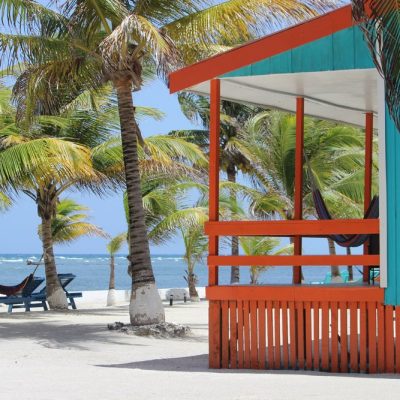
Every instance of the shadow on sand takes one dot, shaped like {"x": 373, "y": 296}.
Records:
{"x": 199, "y": 363}
{"x": 59, "y": 333}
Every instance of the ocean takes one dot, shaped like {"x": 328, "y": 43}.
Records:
{"x": 92, "y": 271}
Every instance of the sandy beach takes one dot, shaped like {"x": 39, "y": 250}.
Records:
{"x": 48, "y": 355}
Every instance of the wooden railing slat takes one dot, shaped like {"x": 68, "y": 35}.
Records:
{"x": 285, "y": 261}
{"x": 389, "y": 339}
{"x": 246, "y": 326}
{"x": 233, "y": 333}
{"x": 277, "y": 335}
{"x": 316, "y": 319}
{"x": 240, "y": 334}
{"x": 354, "y": 364}
{"x": 334, "y": 337}
{"x": 290, "y": 228}
{"x": 262, "y": 334}
{"x": 285, "y": 336}
{"x": 253, "y": 334}
{"x": 344, "y": 363}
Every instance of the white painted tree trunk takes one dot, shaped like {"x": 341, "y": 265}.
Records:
{"x": 111, "y": 297}
{"x": 146, "y": 306}
{"x": 195, "y": 299}
{"x": 58, "y": 300}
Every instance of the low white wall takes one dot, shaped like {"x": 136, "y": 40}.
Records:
{"x": 98, "y": 298}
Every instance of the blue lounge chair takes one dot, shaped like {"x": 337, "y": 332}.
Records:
{"x": 65, "y": 280}
{"x": 31, "y": 299}
{"x": 24, "y": 299}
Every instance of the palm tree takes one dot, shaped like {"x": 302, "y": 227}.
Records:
{"x": 261, "y": 246}
{"x": 44, "y": 168}
{"x": 382, "y": 30}
{"x": 335, "y": 155}
{"x": 83, "y": 45}
{"x": 234, "y": 117}
{"x": 113, "y": 247}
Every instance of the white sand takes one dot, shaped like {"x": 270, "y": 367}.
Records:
{"x": 48, "y": 355}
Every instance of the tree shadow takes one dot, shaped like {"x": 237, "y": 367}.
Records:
{"x": 56, "y": 335}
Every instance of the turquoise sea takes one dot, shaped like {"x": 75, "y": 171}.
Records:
{"x": 92, "y": 271}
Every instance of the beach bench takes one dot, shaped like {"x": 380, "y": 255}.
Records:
{"x": 65, "y": 280}
{"x": 24, "y": 299}
{"x": 31, "y": 299}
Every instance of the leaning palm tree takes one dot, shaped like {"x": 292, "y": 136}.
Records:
{"x": 113, "y": 247}
{"x": 85, "y": 44}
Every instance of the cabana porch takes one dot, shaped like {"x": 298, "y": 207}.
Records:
{"x": 321, "y": 68}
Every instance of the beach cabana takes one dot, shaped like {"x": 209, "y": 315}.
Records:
{"x": 321, "y": 68}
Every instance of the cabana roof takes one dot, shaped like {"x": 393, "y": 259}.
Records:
{"x": 325, "y": 60}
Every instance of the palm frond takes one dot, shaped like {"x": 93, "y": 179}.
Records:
{"x": 381, "y": 26}
{"x": 5, "y": 202}
{"x": 69, "y": 223}
{"x": 32, "y": 49}
{"x": 36, "y": 160}
{"x": 181, "y": 219}
{"x": 213, "y": 24}
{"x": 136, "y": 30}
{"x": 31, "y": 15}
{"x": 169, "y": 149}
{"x": 116, "y": 243}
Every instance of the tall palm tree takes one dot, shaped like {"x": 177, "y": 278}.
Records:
{"x": 381, "y": 25}
{"x": 85, "y": 44}
{"x": 113, "y": 247}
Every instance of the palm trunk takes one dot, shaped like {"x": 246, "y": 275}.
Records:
{"x": 111, "y": 296}
{"x": 335, "y": 271}
{"x": 349, "y": 267}
{"x": 145, "y": 305}
{"x": 191, "y": 279}
{"x": 112, "y": 273}
{"x": 253, "y": 276}
{"x": 235, "y": 271}
{"x": 55, "y": 294}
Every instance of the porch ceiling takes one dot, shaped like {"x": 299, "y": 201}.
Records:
{"x": 343, "y": 96}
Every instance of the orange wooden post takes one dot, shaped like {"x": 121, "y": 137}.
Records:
{"x": 215, "y": 97}
{"x": 214, "y": 308}
{"x": 369, "y": 129}
{"x": 298, "y": 184}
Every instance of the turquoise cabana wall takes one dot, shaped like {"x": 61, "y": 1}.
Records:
{"x": 392, "y": 293}
{"x": 343, "y": 50}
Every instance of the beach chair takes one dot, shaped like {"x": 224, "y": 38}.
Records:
{"x": 65, "y": 280}
{"x": 24, "y": 299}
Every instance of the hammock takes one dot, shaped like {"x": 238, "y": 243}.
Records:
{"x": 345, "y": 240}
{"x": 17, "y": 289}
{"x": 324, "y": 214}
